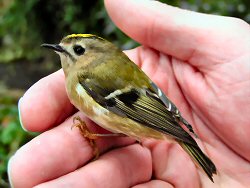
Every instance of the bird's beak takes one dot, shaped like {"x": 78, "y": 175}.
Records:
{"x": 55, "y": 47}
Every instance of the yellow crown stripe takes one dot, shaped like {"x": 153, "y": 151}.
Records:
{"x": 81, "y": 36}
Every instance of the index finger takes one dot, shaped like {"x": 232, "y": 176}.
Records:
{"x": 45, "y": 104}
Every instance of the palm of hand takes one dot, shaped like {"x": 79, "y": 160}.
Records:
{"x": 208, "y": 94}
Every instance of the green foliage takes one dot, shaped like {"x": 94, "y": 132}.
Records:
{"x": 17, "y": 32}
{"x": 11, "y": 135}
{"x": 24, "y": 26}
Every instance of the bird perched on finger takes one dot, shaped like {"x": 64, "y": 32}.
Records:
{"x": 114, "y": 92}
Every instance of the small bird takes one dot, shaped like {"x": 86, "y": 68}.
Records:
{"x": 102, "y": 82}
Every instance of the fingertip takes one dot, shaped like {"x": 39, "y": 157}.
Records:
{"x": 45, "y": 104}
{"x": 18, "y": 169}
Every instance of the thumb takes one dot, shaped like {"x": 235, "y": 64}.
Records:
{"x": 186, "y": 35}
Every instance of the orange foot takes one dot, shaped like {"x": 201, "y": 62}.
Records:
{"x": 91, "y": 137}
{"x": 87, "y": 134}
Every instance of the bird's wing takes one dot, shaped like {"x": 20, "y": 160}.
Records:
{"x": 171, "y": 107}
{"x": 139, "y": 104}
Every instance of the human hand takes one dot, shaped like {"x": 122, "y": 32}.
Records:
{"x": 201, "y": 62}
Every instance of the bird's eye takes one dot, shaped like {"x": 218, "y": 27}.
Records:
{"x": 79, "y": 50}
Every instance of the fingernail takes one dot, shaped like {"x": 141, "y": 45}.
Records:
{"x": 19, "y": 114}
{"x": 8, "y": 171}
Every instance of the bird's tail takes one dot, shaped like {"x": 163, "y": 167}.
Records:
{"x": 200, "y": 158}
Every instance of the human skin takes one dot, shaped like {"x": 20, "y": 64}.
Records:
{"x": 201, "y": 62}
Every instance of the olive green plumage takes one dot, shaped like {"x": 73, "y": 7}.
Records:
{"x": 109, "y": 88}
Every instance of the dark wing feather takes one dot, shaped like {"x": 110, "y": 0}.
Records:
{"x": 171, "y": 107}
{"x": 140, "y": 105}
{"x": 151, "y": 112}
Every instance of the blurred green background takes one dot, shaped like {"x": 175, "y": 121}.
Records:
{"x": 24, "y": 25}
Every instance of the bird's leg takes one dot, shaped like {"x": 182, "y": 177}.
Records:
{"x": 89, "y": 136}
